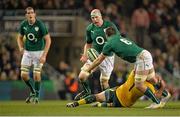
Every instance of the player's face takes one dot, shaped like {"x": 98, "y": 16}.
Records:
{"x": 97, "y": 20}
{"x": 30, "y": 15}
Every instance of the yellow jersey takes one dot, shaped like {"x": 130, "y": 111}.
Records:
{"x": 128, "y": 94}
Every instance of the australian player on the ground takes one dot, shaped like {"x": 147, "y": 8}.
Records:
{"x": 123, "y": 96}
{"x": 129, "y": 51}
{"x": 95, "y": 38}
{"x": 34, "y": 48}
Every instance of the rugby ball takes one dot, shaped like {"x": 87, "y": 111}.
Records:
{"x": 92, "y": 54}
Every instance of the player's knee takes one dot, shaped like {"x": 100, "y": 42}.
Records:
{"x": 24, "y": 76}
{"x": 37, "y": 76}
{"x": 37, "y": 73}
{"x": 105, "y": 82}
{"x": 152, "y": 78}
{"x": 140, "y": 78}
{"x": 139, "y": 81}
{"x": 151, "y": 75}
{"x": 37, "y": 69}
{"x": 82, "y": 77}
{"x": 25, "y": 72}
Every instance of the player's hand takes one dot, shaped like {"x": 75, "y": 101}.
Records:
{"x": 83, "y": 58}
{"x": 84, "y": 73}
{"x": 43, "y": 59}
{"x": 21, "y": 50}
{"x": 158, "y": 94}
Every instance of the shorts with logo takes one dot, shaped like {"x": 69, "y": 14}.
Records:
{"x": 31, "y": 58}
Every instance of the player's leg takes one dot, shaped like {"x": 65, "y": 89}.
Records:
{"x": 104, "y": 98}
{"x": 143, "y": 66}
{"x": 106, "y": 68}
{"x": 88, "y": 99}
{"x": 85, "y": 84}
{"x": 25, "y": 67}
{"x": 37, "y": 80}
{"x": 104, "y": 81}
{"x": 37, "y": 74}
{"x": 159, "y": 85}
{"x": 110, "y": 99}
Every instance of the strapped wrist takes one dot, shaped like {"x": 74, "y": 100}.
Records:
{"x": 21, "y": 49}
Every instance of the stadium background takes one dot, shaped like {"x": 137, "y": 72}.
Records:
{"x": 67, "y": 20}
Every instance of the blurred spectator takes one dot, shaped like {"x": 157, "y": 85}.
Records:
{"x": 99, "y": 4}
{"x": 49, "y": 4}
{"x": 63, "y": 68}
{"x": 177, "y": 24}
{"x": 159, "y": 39}
{"x": 113, "y": 15}
{"x": 87, "y": 8}
{"x": 140, "y": 22}
{"x": 71, "y": 84}
{"x": 173, "y": 37}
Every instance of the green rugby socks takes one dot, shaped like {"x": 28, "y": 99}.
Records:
{"x": 37, "y": 88}
{"x": 150, "y": 95}
{"x": 29, "y": 83}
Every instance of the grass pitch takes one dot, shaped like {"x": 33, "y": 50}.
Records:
{"x": 58, "y": 108}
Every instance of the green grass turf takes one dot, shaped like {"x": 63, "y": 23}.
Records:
{"x": 58, "y": 108}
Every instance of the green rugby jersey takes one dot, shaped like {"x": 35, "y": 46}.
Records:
{"x": 122, "y": 47}
{"x": 96, "y": 35}
{"x": 34, "y": 34}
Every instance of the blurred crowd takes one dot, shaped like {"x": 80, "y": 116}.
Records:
{"x": 153, "y": 24}
{"x": 9, "y": 58}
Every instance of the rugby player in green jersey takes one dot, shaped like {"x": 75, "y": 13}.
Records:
{"x": 129, "y": 51}
{"x": 96, "y": 38}
{"x": 34, "y": 48}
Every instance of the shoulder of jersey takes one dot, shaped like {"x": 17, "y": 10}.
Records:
{"x": 89, "y": 27}
{"x": 24, "y": 22}
{"x": 39, "y": 21}
{"x": 108, "y": 22}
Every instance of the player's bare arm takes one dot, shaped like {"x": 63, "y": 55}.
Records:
{"x": 46, "y": 49}
{"x": 162, "y": 85}
{"x": 20, "y": 43}
{"x": 84, "y": 55}
{"x": 96, "y": 62}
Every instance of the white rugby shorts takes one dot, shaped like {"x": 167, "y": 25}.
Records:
{"x": 31, "y": 58}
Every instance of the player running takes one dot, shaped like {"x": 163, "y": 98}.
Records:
{"x": 123, "y": 96}
{"x": 95, "y": 38}
{"x": 34, "y": 48}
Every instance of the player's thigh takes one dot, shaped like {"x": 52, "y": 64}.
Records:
{"x": 26, "y": 59}
{"x": 106, "y": 68}
{"x": 36, "y": 55}
{"x": 37, "y": 66}
{"x": 144, "y": 61}
{"x": 143, "y": 66}
{"x": 26, "y": 63}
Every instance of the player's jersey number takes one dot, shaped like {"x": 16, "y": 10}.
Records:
{"x": 125, "y": 41}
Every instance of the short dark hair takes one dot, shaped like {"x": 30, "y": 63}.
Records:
{"x": 29, "y": 8}
{"x": 110, "y": 31}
